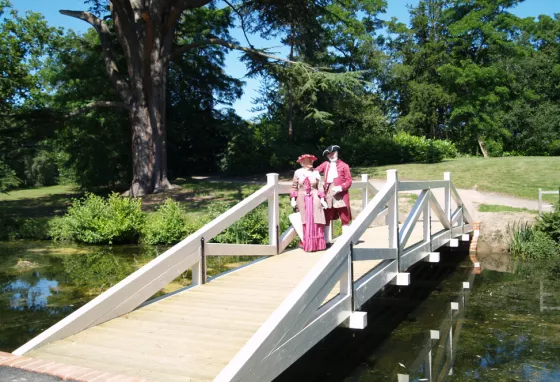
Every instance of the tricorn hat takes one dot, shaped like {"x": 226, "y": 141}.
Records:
{"x": 330, "y": 149}
{"x": 305, "y": 156}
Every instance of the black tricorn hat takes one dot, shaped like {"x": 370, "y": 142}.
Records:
{"x": 330, "y": 149}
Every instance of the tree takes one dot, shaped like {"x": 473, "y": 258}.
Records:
{"x": 25, "y": 41}
{"x": 145, "y": 32}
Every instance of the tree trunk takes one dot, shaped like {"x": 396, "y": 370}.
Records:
{"x": 148, "y": 70}
{"x": 482, "y": 147}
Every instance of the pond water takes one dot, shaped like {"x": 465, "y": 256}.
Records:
{"x": 506, "y": 328}
{"x": 41, "y": 282}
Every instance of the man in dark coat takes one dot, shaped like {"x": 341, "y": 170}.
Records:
{"x": 337, "y": 181}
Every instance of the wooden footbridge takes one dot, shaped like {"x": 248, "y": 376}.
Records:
{"x": 254, "y": 322}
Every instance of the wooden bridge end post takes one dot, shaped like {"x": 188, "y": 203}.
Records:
{"x": 273, "y": 209}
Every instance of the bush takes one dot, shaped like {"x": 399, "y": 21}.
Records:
{"x": 540, "y": 247}
{"x": 529, "y": 243}
{"x": 250, "y": 229}
{"x": 96, "y": 220}
{"x": 554, "y": 148}
{"x": 168, "y": 225}
{"x": 549, "y": 223}
{"x": 494, "y": 148}
{"x": 43, "y": 170}
{"x": 12, "y": 228}
{"x": 369, "y": 150}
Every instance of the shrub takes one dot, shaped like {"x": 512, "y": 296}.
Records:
{"x": 529, "y": 243}
{"x": 96, "y": 220}
{"x": 540, "y": 247}
{"x": 250, "y": 229}
{"x": 494, "y": 148}
{"x": 554, "y": 148}
{"x": 43, "y": 170}
{"x": 12, "y": 228}
{"x": 168, "y": 225}
{"x": 549, "y": 223}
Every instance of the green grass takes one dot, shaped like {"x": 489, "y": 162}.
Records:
{"x": 517, "y": 176}
{"x": 498, "y": 208}
{"x": 39, "y": 192}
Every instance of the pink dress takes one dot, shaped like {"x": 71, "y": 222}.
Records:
{"x": 305, "y": 188}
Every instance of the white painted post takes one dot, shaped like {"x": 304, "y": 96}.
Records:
{"x": 447, "y": 176}
{"x": 427, "y": 220}
{"x": 392, "y": 218}
{"x": 273, "y": 209}
{"x": 197, "y": 271}
{"x": 540, "y": 201}
{"x": 365, "y": 196}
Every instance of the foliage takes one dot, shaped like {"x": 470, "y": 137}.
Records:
{"x": 8, "y": 178}
{"x": 97, "y": 220}
{"x": 12, "y": 228}
{"x": 250, "y": 229}
{"x": 168, "y": 225}
{"x": 549, "y": 223}
{"x": 527, "y": 242}
{"x": 43, "y": 170}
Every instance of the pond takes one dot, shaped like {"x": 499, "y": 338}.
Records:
{"x": 506, "y": 328}
{"x": 42, "y": 282}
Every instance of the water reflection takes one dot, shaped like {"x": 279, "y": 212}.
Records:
{"x": 435, "y": 330}
{"x": 30, "y": 296}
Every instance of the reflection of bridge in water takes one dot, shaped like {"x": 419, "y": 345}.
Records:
{"x": 412, "y": 332}
{"x": 253, "y": 323}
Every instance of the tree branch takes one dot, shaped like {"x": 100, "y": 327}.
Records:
{"x": 96, "y": 104}
{"x": 242, "y": 19}
{"x": 218, "y": 41}
{"x": 105, "y": 37}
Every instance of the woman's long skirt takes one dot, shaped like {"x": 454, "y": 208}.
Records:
{"x": 313, "y": 234}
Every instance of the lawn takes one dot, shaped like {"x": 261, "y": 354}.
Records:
{"x": 517, "y": 176}
{"x": 498, "y": 208}
{"x": 195, "y": 195}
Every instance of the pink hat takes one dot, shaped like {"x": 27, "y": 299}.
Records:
{"x": 305, "y": 156}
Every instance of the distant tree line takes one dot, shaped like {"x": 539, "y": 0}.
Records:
{"x": 460, "y": 75}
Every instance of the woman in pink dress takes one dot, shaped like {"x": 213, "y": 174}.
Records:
{"x": 309, "y": 198}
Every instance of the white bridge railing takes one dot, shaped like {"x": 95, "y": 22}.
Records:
{"x": 303, "y": 318}
{"x": 189, "y": 253}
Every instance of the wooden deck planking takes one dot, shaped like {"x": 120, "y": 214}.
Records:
{"x": 175, "y": 339}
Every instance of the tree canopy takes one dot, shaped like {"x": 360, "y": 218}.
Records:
{"x": 143, "y": 95}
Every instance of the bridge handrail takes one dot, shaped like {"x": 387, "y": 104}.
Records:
{"x": 142, "y": 284}
{"x": 284, "y": 334}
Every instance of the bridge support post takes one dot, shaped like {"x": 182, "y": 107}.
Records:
{"x": 273, "y": 210}
{"x": 393, "y": 215}
{"x": 447, "y": 196}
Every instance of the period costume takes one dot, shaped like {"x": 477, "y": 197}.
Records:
{"x": 337, "y": 181}
{"x": 309, "y": 199}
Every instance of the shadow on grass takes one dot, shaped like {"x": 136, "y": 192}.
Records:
{"x": 43, "y": 206}
{"x": 194, "y": 194}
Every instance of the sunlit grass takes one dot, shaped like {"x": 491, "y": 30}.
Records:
{"x": 517, "y": 176}
{"x": 40, "y": 192}
{"x": 499, "y": 208}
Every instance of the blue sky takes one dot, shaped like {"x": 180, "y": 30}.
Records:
{"x": 396, "y": 8}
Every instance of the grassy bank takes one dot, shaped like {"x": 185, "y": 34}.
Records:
{"x": 516, "y": 176}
